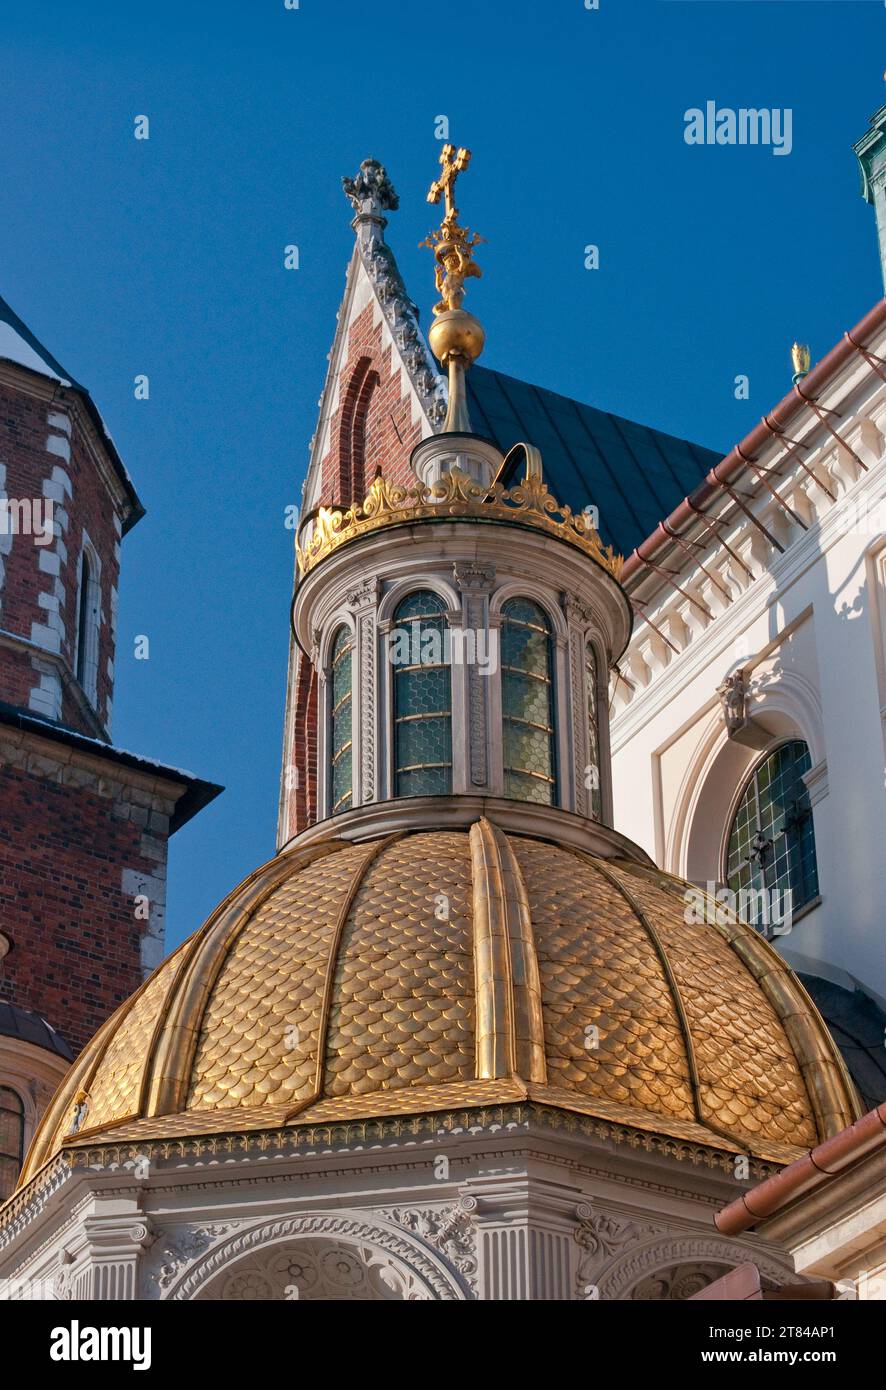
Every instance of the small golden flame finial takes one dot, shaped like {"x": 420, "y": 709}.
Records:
{"x": 800, "y": 358}
{"x": 456, "y": 337}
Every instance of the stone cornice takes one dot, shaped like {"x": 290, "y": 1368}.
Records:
{"x": 673, "y": 672}
{"x": 529, "y": 1118}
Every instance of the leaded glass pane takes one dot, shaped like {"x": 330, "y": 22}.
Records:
{"x": 527, "y": 702}
{"x": 341, "y": 722}
{"x": 422, "y": 697}
{"x": 772, "y": 840}
{"x": 593, "y": 774}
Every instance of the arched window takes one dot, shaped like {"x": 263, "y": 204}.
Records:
{"x": 12, "y": 1139}
{"x": 772, "y": 839}
{"x": 422, "y": 697}
{"x": 593, "y": 771}
{"x": 88, "y": 614}
{"x": 83, "y": 619}
{"x": 352, "y": 483}
{"x": 340, "y": 723}
{"x": 527, "y": 695}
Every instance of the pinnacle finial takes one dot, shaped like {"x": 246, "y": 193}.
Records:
{"x": 371, "y": 192}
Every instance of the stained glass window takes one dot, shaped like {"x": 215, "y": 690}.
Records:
{"x": 593, "y": 773}
{"x": 772, "y": 840}
{"x": 527, "y": 691}
{"x": 418, "y": 649}
{"x": 12, "y": 1139}
{"x": 341, "y": 722}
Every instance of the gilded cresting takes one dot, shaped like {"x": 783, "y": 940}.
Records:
{"x": 455, "y": 495}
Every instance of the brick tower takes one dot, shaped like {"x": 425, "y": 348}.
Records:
{"x": 84, "y": 826}
{"x": 383, "y": 394}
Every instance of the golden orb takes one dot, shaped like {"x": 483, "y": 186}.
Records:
{"x": 456, "y": 334}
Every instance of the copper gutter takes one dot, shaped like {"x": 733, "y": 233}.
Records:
{"x": 736, "y": 460}
{"x": 812, "y": 1171}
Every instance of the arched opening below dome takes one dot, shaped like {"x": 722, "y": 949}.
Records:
{"x": 314, "y": 1269}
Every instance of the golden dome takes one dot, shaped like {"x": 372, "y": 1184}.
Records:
{"x": 444, "y": 969}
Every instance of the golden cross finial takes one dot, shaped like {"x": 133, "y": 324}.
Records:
{"x": 454, "y": 162}
{"x": 455, "y": 336}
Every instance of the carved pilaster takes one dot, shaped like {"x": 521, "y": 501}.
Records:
{"x": 364, "y": 602}
{"x": 525, "y": 1241}
{"x": 475, "y": 583}
{"x": 578, "y": 619}
{"x": 115, "y": 1244}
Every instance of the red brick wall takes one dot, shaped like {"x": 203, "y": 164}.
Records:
{"x": 76, "y": 951}
{"x": 372, "y": 417}
{"x": 24, "y": 431}
{"x": 372, "y": 428}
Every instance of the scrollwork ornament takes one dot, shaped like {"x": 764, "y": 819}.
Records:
{"x": 449, "y": 1229}
{"x": 185, "y": 1246}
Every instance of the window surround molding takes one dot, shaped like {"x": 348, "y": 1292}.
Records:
{"x": 34, "y": 1074}
{"x": 341, "y": 618}
{"x": 346, "y": 628}
{"x": 600, "y": 694}
{"x": 391, "y": 599}
{"x": 555, "y": 762}
{"x": 714, "y": 778}
{"x": 448, "y": 617}
{"x": 23, "y": 1127}
{"x": 757, "y": 761}
{"x": 563, "y": 705}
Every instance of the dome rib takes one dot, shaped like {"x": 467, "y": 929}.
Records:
{"x": 167, "y": 1077}
{"x": 673, "y": 987}
{"x": 828, "y": 1086}
{"x": 825, "y": 1075}
{"x": 344, "y": 912}
{"x": 510, "y": 1025}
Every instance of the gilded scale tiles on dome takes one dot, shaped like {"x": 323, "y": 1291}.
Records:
{"x": 342, "y": 988}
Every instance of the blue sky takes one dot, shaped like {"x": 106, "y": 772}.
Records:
{"x": 165, "y": 257}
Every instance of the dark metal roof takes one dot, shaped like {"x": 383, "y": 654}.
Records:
{"x": 633, "y": 474}
{"x": 32, "y": 1028}
{"x": 197, "y": 794}
{"x": 857, "y": 1025}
